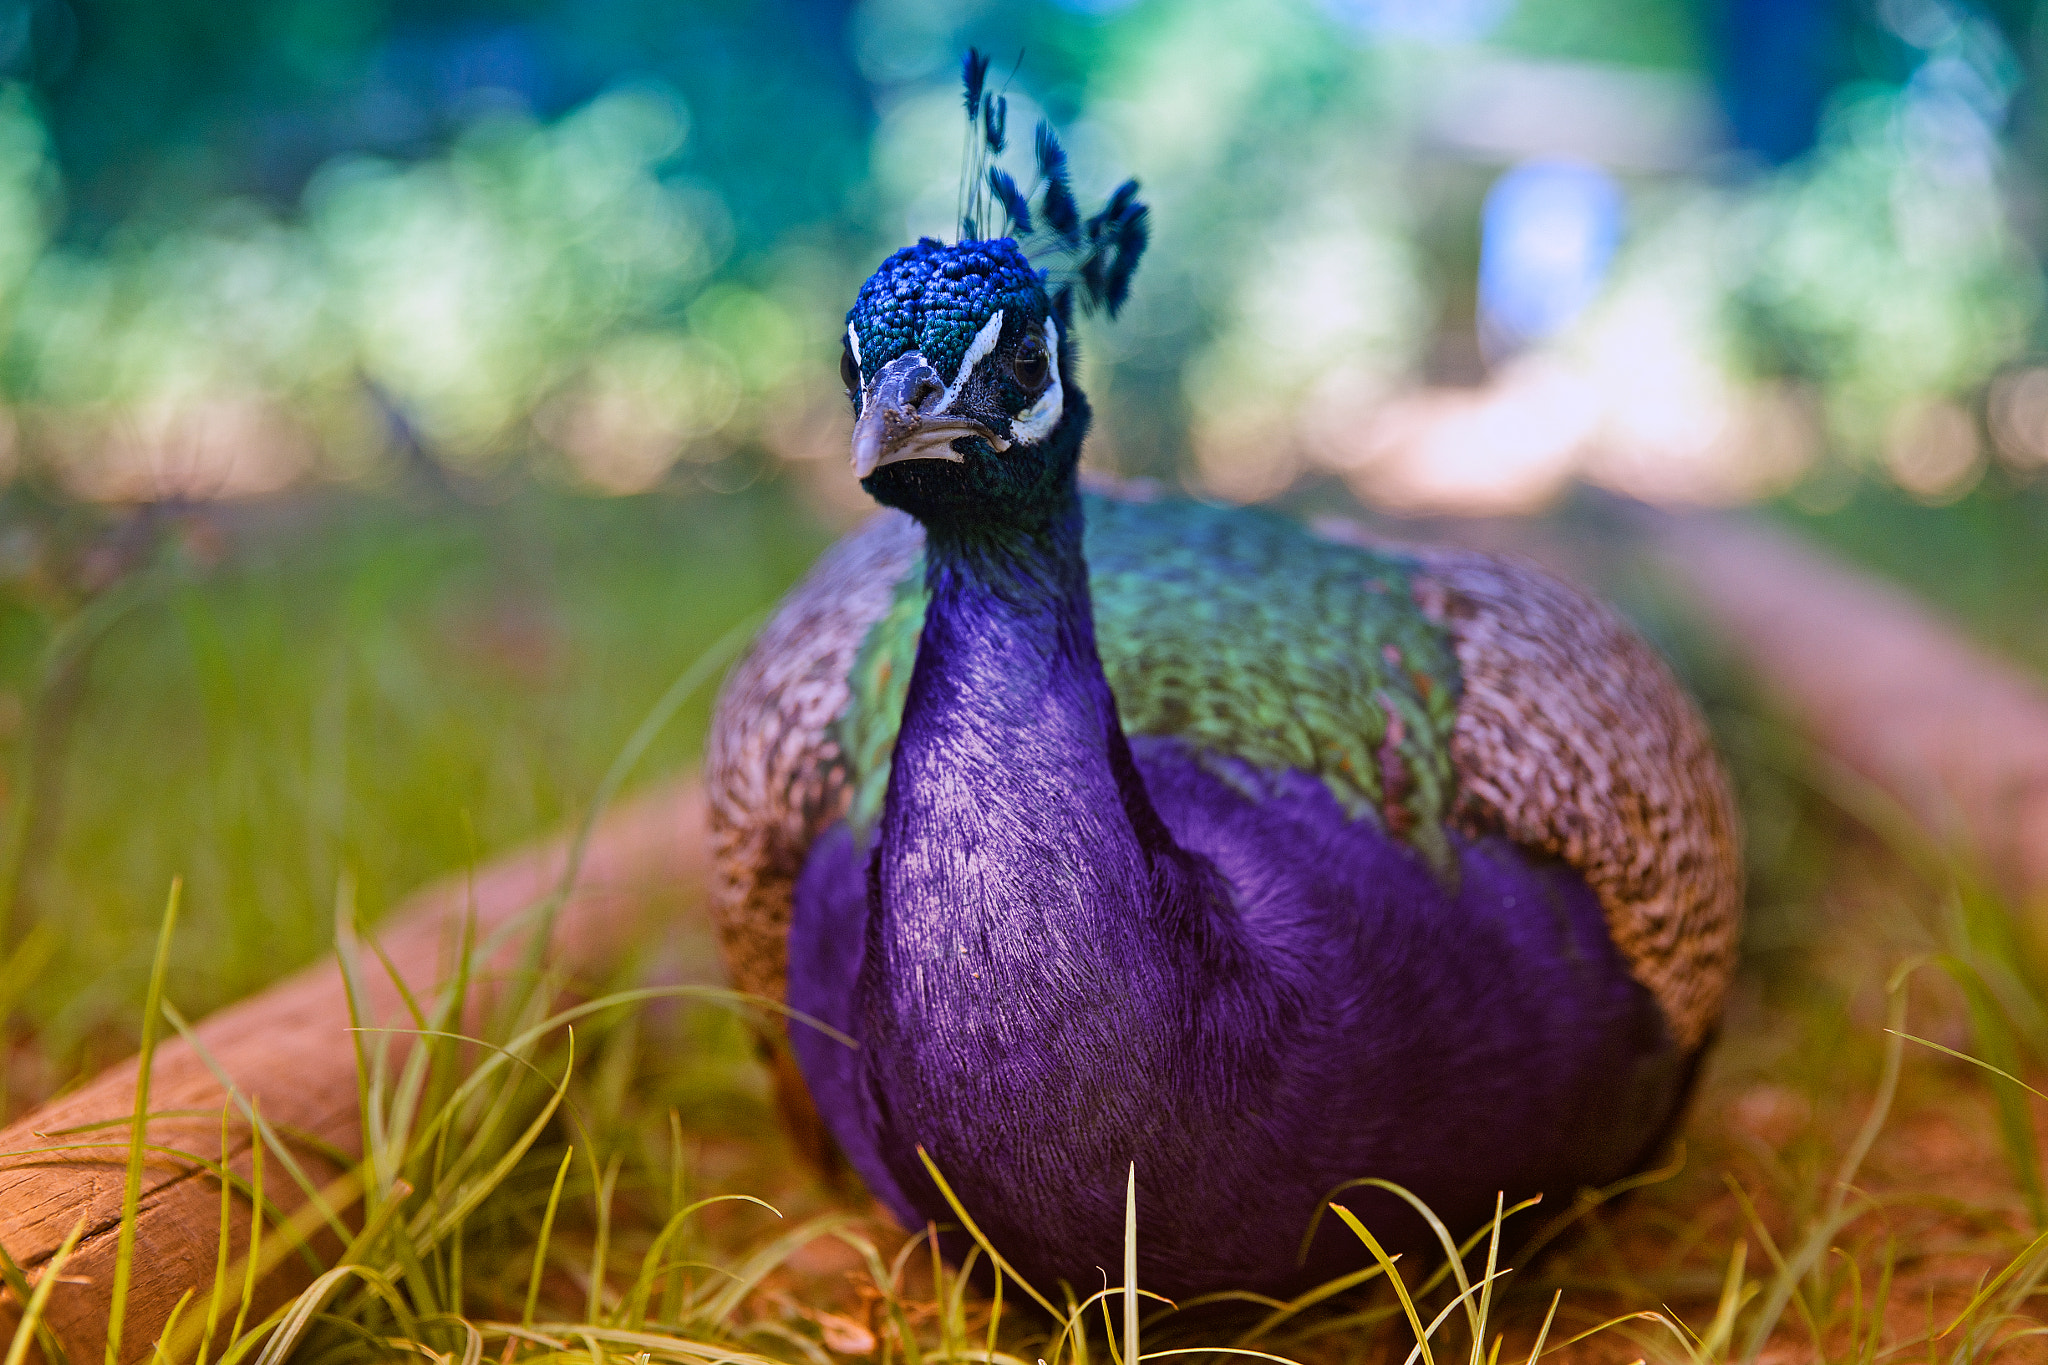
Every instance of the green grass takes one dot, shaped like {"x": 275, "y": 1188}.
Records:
{"x": 597, "y": 1185}
{"x": 357, "y": 687}
{"x": 550, "y": 1195}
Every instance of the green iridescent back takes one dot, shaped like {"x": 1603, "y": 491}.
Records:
{"x": 1243, "y": 635}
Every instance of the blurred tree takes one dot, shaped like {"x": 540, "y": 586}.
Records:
{"x": 160, "y": 107}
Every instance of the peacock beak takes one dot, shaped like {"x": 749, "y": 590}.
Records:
{"x": 903, "y": 417}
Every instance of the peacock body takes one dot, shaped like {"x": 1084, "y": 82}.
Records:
{"x": 1122, "y": 829}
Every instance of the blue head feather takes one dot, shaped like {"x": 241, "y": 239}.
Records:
{"x": 1062, "y": 214}
{"x": 968, "y": 318}
{"x": 1119, "y": 204}
{"x": 1133, "y": 232}
{"x": 933, "y": 298}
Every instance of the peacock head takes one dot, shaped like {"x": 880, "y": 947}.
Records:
{"x": 957, "y": 365}
{"x": 958, "y": 357}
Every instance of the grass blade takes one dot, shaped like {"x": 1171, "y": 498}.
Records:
{"x": 540, "y": 1248}
{"x": 1131, "y": 1267}
{"x": 32, "y": 1315}
{"x": 974, "y": 1231}
{"x": 218, "y": 1297}
{"x": 1393, "y": 1277}
{"x": 601, "y": 1252}
{"x": 138, "y": 1133}
{"x": 158, "y": 1355}
{"x": 16, "y": 1283}
{"x": 1544, "y": 1335}
{"x": 1995, "y": 1039}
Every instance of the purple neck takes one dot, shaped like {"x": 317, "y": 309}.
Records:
{"x": 1017, "y": 839}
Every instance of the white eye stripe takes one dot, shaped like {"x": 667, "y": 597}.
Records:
{"x": 984, "y": 341}
{"x": 1036, "y": 422}
{"x": 853, "y": 340}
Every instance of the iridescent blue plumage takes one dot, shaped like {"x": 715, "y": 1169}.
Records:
{"x": 995, "y": 123}
{"x": 933, "y": 298}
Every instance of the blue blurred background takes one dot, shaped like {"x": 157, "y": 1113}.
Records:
{"x": 1453, "y": 253}
{"x": 396, "y": 394}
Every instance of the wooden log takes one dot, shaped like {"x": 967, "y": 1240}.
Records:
{"x": 288, "y": 1049}
{"x": 1883, "y": 683}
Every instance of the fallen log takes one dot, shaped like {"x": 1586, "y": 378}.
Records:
{"x": 1881, "y": 682}
{"x": 289, "y": 1051}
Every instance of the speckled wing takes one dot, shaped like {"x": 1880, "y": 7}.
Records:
{"x": 1425, "y": 688}
{"x": 1574, "y": 739}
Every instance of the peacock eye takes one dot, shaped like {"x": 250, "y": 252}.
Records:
{"x": 1030, "y": 365}
{"x": 849, "y": 371}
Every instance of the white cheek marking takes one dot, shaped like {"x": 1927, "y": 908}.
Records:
{"x": 1036, "y": 422}
{"x": 853, "y": 340}
{"x": 984, "y": 341}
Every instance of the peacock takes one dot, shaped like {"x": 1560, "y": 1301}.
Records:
{"x": 1083, "y": 828}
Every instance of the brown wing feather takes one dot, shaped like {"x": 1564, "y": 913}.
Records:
{"x": 1574, "y": 739}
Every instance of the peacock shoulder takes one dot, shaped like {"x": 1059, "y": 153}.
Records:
{"x": 1574, "y": 739}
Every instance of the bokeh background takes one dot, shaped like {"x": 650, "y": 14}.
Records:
{"x": 395, "y": 396}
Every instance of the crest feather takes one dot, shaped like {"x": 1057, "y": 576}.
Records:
{"x": 1012, "y": 199}
{"x": 973, "y": 75}
{"x": 995, "y": 123}
{"x": 1093, "y": 259}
